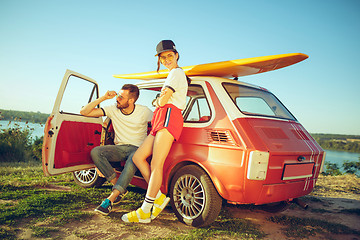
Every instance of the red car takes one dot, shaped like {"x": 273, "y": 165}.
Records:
{"x": 239, "y": 144}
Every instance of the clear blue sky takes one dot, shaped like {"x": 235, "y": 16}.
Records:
{"x": 39, "y": 40}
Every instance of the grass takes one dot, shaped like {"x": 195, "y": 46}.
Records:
{"x": 222, "y": 228}
{"x": 24, "y": 199}
{"x": 36, "y": 203}
{"x": 336, "y": 185}
{"x": 25, "y": 202}
{"x": 43, "y": 231}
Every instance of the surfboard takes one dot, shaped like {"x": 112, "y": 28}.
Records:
{"x": 228, "y": 69}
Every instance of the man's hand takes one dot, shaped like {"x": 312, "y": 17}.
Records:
{"x": 110, "y": 94}
{"x": 90, "y": 109}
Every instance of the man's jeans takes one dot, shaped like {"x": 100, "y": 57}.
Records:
{"x": 103, "y": 155}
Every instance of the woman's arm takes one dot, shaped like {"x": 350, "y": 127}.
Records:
{"x": 164, "y": 97}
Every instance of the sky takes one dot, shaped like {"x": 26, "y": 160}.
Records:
{"x": 39, "y": 40}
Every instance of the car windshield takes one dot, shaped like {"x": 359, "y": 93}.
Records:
{"x": 253, "y": 101}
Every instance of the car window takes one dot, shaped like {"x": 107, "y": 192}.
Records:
{"x": 77, "y": 93}
{"x": 198, "y": 109}
{"x": 147, "y": 96}
{"x": 253, "y": 101}
{"x": 254, "y": 105}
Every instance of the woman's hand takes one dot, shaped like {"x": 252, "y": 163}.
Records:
{"x": 164, "y": 97}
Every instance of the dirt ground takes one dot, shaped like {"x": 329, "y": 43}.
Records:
{"x": 167, "y": 225}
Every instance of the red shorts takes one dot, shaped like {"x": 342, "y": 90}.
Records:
{"x": 168, "y": 117}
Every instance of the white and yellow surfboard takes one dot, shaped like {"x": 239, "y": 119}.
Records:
{"x": 228, "y": 69}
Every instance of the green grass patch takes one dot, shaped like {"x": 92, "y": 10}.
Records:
{"x": 29, "y": 174}
{"x": 23, "y": 188}
{"x": 224, "y": 227}
{"x": 43, "y": 231}
{"x": 25, "y": 198}
{"x": 7, "y": 233}
{"x": 42, "y": 203}
{"x": 306, "y": 227}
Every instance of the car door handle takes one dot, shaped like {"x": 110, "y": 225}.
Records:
{"x": 97, "y": 132}
{"x": 90, "y": 144}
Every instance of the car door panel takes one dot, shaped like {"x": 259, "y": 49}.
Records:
{"x": 70, "y": 137}
{"x": 70, "y": 153}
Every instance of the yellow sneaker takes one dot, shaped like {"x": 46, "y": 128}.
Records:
{"x": 137, "y": 216}
{"x": 159, "y": 204}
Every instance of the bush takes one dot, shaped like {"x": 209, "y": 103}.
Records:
{"x": 351, "y": 167}
{"x": 16, "y": 145}
{"x": 37, "y": 148}
{"x": 333, "y": 169}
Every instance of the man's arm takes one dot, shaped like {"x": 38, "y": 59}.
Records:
{"x": 90, "y": 109}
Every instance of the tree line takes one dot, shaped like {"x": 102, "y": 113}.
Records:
{"x": 33, "y": 117}
{"x": 338, "y": 142}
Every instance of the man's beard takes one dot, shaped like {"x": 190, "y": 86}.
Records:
{"x": 126, "y": 105}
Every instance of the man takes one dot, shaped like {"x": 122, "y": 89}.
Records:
{"x": 130, "y": 122}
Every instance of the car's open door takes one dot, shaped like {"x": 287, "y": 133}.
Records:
{"x": 69, "y": 136}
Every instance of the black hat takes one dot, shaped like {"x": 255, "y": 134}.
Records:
{"x": 165, "y": 45}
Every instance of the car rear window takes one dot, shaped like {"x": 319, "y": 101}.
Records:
{"x": 253, "y": 101}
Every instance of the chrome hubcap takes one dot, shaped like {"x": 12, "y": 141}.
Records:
{"x": 189, "y": 196}
{"x": 86, "y": 176}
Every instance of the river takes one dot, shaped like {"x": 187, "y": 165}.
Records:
{"x": 37, "y": 129}
{"x": 339, "y": 157}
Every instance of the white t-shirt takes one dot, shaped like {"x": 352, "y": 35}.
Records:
{"x": 176, "y": 81}
{"x": 132, "y": 128}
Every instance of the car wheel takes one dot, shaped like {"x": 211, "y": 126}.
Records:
{"x": 194, "y": 198}
{"x": 88, "y": 178}
{"x": 275, "y": 207}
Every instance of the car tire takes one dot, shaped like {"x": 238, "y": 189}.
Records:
{"x": 88, "y": 178}
{"x": 194, "y": 198}
{"x": 275, "y": 207}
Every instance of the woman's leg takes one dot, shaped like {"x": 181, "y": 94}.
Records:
{"x": 141, "y": 154}
{"x": 159, "y": 146}
{"x": 162, "y": 145}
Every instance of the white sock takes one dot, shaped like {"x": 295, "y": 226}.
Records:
{"x": 147, "y": 204}
{"x": 158, "y": 194}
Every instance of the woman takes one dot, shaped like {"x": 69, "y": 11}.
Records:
{"x": 167, "y": 124}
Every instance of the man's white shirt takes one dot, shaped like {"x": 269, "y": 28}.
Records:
{"x": 132, "y": 128}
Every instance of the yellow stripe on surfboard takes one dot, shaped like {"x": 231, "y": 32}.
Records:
{"x": 228, "y": 69}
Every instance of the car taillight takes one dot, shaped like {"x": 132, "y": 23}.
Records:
{"x": 258, "y": 165}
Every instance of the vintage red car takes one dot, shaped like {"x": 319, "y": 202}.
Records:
{"x": 239, "y": 144}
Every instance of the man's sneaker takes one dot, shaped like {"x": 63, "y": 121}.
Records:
{"x": 159, "y": 205}
{"x": 104, "y": 208}
{"x": 120, "y": 197}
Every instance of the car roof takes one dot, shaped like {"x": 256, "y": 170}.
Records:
{"x": 198, "y": 79}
